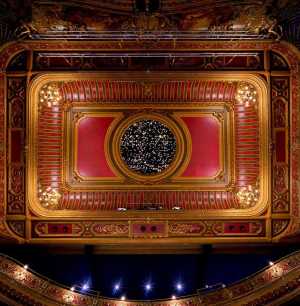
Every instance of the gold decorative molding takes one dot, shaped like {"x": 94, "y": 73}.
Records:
{"x": 68, "y": 298}
{"x": 154, "y": 178}
{"x": 77, "y": 116}
{"x": 73, "y": 178}
{"x": 225, "y": 118}
{"x": 148, "y": 86}
{"x": 49, "y": 95}
{"x": 241, "y": 77}
{"x": 246, "y": 94}
{"x": 276, "y": 271}
{"x": 49, "y": 197}
{"x": 219, "y": 116}
{"x": 20, "y": 274}
{"x": 279, "y": 226}
{"x": 144, "y": 22}
{"x": 248, "y": 196}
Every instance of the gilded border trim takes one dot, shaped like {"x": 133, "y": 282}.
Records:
{"x": 251, "y": 78}
{"x": 116, "y": 154}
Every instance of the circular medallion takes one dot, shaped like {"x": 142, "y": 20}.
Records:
{"x": 148, "y": 147}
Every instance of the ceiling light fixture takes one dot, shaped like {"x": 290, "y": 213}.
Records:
{"x": 148, "y": 287}
{"x": 179, "y": 286}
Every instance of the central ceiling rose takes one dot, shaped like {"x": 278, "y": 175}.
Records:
{"x": 148, "y": 147}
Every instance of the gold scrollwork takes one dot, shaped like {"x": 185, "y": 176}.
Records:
{"x": 49, "y": 197}
{"x": 148, "y": 88}
{"x": 20, "y": 274}
{"x": 76, "y": 178}
{"x": 68, "y": 298}
{"x": 77, "y": 116}
{"x": 248, "y": 196}
{"x": 219, "y": 116}
{"x": 276, "y": 271}
{"x": 49, "y": 95}
{"x": 246, "y": 94}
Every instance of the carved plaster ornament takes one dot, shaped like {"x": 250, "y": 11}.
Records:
{"x": 49, "y": 197}
{"x": 276, "y": 271}
{"x": 246, "y": 94}
{"x": 248, "y": 196}
{"x": 68, "y": 298}
{"x": 20, "y": 274}
{"x": 143, "y": 22}
{"x": 49, "y": 95}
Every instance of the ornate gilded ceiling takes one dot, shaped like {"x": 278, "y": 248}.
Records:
{"x": 84, "y": 74}
{"x": 230, "y": 178}
{"x": 248, "y": 18}
{"x": 135, "y": 122}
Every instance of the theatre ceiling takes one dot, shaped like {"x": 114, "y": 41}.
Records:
{"x": 104, "y": 19}
{"x": 149, "y": 121}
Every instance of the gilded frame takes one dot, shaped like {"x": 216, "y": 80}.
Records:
{"x": 251, "y": 78}
{"x": 71, "y": 133}
{"x": 181, "y": 132}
